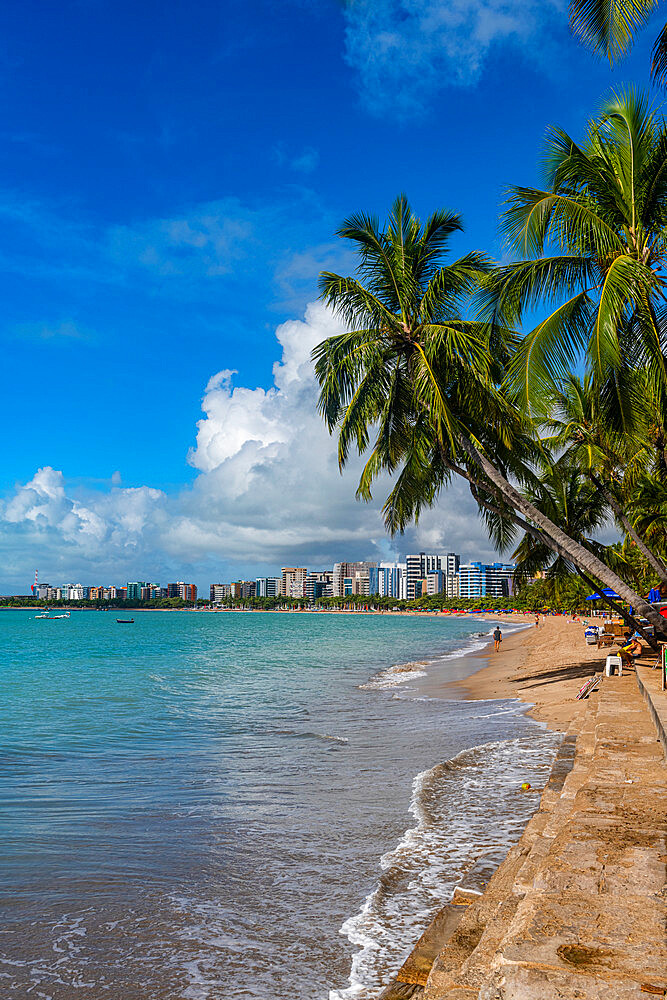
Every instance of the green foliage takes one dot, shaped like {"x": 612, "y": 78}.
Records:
{"x": 414, "y": 371}
{"x": 609, "y": 28}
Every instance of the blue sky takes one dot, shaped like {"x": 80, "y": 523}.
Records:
{"x": 170, "y": 179}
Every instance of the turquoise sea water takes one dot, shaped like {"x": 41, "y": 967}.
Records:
{"x": 193, "y": 806}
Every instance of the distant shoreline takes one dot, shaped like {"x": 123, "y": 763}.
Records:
{"x": 490, "y": 615}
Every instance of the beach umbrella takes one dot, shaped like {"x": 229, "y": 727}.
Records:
{"x": 608, "y": 592}
{"x": 653, "y": 596}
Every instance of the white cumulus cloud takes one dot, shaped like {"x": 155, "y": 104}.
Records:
{"x": 267, "y": 492}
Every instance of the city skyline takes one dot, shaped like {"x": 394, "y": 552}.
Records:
{"x": 420, "y": 574}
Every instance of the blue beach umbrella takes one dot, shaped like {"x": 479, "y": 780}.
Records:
{"x": 654, "y": 596}
{"x": 608, "y": 592}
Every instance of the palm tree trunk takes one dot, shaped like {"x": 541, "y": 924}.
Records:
{"x": 651, "y": 558}
{"x": 618, "y": 609}
{"x": 544, "y": 540}
{"x": 576, "y": 553}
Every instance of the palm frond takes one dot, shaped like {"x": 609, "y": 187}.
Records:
{"x": 659, "y": 60}
{"x": 609, "y": 26}
{"x": 549, "y": 352}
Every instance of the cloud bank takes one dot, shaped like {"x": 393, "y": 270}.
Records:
{"x": 267, "y": 492}
{"x": 406, "y": 50}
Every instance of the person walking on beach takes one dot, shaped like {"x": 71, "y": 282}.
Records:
{"x": 537, "y": 621}
{"x": 497, "y": 638}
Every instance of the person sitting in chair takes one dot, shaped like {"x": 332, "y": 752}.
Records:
{"x": 630, "y": 650}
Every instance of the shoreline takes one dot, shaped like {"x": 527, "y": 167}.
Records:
{"x": 544, "y": 668}
{"x": 541, "y": 667}
{"x": 494, "y": 760}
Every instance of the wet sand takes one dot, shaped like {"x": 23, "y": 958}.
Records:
{"x": 543, "y": 666}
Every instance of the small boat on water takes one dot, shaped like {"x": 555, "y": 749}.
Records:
{"x": 125, "y": 621}
{"x": 51, "y": 618}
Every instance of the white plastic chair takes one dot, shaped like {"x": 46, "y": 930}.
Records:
{"x": 611, "y": 662}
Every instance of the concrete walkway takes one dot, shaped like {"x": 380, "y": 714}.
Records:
{"x": 578, "y": 909}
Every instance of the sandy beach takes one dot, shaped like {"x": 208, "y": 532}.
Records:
{"x": 543, "y": 666}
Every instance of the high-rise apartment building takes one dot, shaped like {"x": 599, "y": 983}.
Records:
{"x": 419, "y": 566}
{"x": 293, "y": 580}
{"x": 486, "y": 580}
{"x": 184, "y": 591}
{"x": 318, "y": 584}
{"x": 134, "y": 590}
{"x": 422, "y": 565}
{"x": 351, "y": 578}
{"x": 450, "y": 563}
{"x": 268, "y": 586}
{"x": 388, "y": 580}
{"x": 441, "y": 582}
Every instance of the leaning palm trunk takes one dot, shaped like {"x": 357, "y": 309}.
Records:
{"x": 576, "y": 553}
{"x": 656, "y": 564}
{"x": 619, "y": 610}
{"x": 544, "y": 539}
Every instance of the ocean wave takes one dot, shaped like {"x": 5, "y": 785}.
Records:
{"x": 480, "y": 640}
{"x": 327, "y": 737}
{"x": 397, "y": 674}
{"x": 402, "y": 673}
{"x": 468, "y": 810}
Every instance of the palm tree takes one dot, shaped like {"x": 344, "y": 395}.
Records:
{"x": 580, "y": 507}
{"x": 613, "y": 462}
{"x": 648, "y": 509}
{"x": 609, "y": 28}
{"x": 594, "y": 249}
{"x": 420, "y": 378}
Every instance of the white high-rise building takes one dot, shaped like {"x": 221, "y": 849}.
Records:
{"x": 419, "y": 566}
{"x": 391, "y": 580}
{"x": 422, "y": 565}
{"x": 450, "y": 564}
{"x": 318, "y": 584}
{"x": 268, "y": 586}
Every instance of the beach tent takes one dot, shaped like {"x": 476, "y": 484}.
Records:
{"x": 608, "y": 592}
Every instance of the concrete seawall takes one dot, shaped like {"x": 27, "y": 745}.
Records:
{"x": 578, "y": 907}
{"x": 648, "y": 682}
